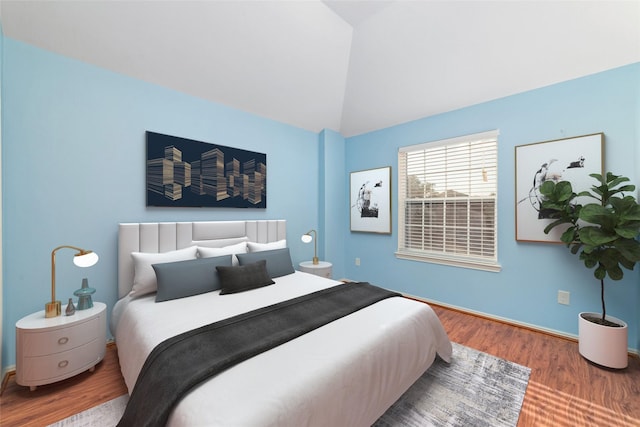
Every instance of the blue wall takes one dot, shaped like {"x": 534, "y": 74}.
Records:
{"x": 73, "y": 168}
{"x": 532, "y": 273}
{"x": 334, "y": 202}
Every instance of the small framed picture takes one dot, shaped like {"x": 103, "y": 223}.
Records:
{"x": 569, "y": 159}
{"x": 370, "y": 200}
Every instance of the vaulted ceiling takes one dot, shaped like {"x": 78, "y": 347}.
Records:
{"x": 350, "y": 66}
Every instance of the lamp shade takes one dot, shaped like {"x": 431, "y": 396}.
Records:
{"x": 86, "y": 259}
{"x": 307, "y": 238}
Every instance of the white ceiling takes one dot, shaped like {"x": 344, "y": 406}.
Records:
{"x": 350, "y": 66}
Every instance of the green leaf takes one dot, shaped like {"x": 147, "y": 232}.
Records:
{"x": 569, "y": 235}
{"x": 615, "y": 272}
{"x": 616, "y": 181}
{"x": 602, "y": 190}
{"x": 626, "y": 263}
{"x": 595, "y": 213}
{"x": 629, "y": 249}
{"x": 590, "y": 262}
{"x": 563, "y": 191}
{"x": 627, "y": 231}
{"x": 596, "y": 236}
{"x": 627, "y": 188}
{"x": 627, "y": 208}
{"x": 600, "y": 272}
{"x": 608, "y": 257}
{"x": 588, "y": 194}
{"x": 555, "y": 223}
{"x": 547, "y": 188}
{"x": 610, "y": 177}
{"x": 597, "y": 176}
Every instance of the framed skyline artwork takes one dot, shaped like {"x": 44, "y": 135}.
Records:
{"x": 569, "y": 159}
{"x": 182, "y": 172}
{"x": 370, "y": 200}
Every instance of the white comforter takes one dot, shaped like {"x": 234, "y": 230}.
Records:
{"x": 346, "y": 373}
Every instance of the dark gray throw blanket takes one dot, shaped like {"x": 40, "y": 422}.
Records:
{"x": 180, "y": 363}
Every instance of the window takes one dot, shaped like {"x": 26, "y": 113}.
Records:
{"x": 447, "y": 202}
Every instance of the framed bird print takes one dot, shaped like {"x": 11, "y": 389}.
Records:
{"x": 370, "y": 200}
{"x": 569, "y": 159}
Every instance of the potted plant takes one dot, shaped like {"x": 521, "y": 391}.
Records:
{"x": 603, "y": 234}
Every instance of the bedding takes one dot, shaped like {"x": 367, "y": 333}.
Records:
{"x": 234, "y": 250}
{"x": 186, "y": 278}
{"x": 183, "y": 361}
{"x": 243, "y": 278}
{"x": 258, "y": 247}
{"x": 278, "y": 261}
{"x": 144, "y": 280}
{"x": 347, "y": 372}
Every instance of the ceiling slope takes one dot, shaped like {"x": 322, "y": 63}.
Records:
{"x": 350, "y": 66}
{"x": 282, "y": 60}
{"x": 417, "y": 59}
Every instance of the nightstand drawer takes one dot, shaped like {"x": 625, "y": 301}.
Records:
{"x": 44, "y": 343}
{"x": 35, "y": 370}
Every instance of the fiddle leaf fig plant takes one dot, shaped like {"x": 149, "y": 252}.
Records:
{"x": 603, "y": 233}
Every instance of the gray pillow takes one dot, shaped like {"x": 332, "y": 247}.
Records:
{"x": 186, "y": 278}
{"x": 243, "y": 277}
{"x": 278, "y": 261}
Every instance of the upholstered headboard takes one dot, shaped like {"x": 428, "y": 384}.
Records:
{"x": 158, "y": 237}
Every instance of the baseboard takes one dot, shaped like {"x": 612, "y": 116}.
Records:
{"x": 559, "y": 334}
{"x": 8, "y": 373}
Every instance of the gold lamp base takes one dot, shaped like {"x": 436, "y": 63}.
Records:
{"x": 53, "y": 309}
{"x": 315, "y": 260}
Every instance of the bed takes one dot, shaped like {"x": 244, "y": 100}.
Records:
{"x": 347, "y": 372}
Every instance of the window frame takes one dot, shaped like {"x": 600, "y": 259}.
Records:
{"x": 485, "y": 263}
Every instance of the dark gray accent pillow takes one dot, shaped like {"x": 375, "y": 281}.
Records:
{"x": 243, "y": 277}
{"x": 278, "y": 261}
{"x": 186, "y": 278}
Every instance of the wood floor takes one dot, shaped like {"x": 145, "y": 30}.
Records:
{"x": 564, "y": 390}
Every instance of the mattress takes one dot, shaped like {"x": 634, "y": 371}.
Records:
{"x": 347, "y": 372}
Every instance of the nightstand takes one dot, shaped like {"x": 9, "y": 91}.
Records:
{"x": 322, "y": 268}
{"x": 56, "y": 348}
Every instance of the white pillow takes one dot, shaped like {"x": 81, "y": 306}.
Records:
{"x": 258, "y": 247}
{"x": 238, "y": 248}
{"x": 144, "y": 278}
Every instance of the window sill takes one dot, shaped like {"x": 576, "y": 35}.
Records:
{"x": 484, "y": 265}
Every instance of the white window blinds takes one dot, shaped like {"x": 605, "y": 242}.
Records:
{"x": 447, "y": 201}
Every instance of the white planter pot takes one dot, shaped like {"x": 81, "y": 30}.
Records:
{"x": 604, "y": 345}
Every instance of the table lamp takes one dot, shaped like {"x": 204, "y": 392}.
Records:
{"x": 84, "y": 258}
{"x": 307, "y": 238}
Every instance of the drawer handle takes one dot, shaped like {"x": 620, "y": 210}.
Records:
{"x": 63, "y": 364}
{"x": 63, "y": 340}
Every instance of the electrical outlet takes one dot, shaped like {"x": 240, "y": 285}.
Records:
{"x": 358, "y": 262}
{"x": 563, "y": 297}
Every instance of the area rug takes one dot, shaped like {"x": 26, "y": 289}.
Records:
{"x": 475, "y": 389}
